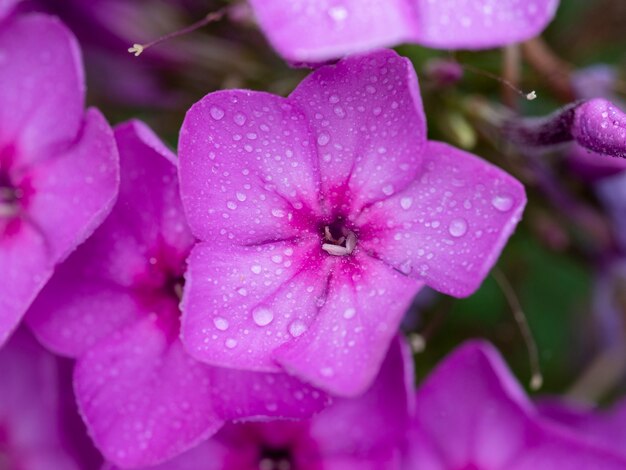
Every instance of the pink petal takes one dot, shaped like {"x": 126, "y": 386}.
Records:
{"x": 472, "y": 408}
{"x": 366, "y": 113}
{"x": 344, "y": 347}
{"x": 248, "y": 168}
{"x": 376, "y": 422}
{"x": 142, "y": 397}
{"x": 240, "y": 303}
{"x": 6, "y": 6}
{"x": 600, "y": 126}
{"x": 42, "y": 92}
{"x": 334, "y": 29}
{"x": 240, "y": 395}
{"x": 25, "y": 269}
{"x": 479, "y": 24}
{"x": 34, "y": 436}
{"x": 74, "y": 191}
{"x": 449, "y": 227}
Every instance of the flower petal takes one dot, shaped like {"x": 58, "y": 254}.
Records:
{"x": 370, "y": 130}
{"x": 479, "y": 24}
{"x": 334, "y": 29}
{"x": 248, "y": 168}
{"x": 25, "y": 269}
{"x": 376, "y": 422}
{"x": 42, "y": 92}
{"x": 344, "y": 347}
{"x": 240, "y": 303}
{"x": 449, "y": 227}
{"x": 241, "y": 395}
{"x": 75, "y": 191}
{"x": 142, "y": 397}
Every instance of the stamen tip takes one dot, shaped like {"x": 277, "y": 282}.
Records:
{"x": 417, "y": 342}
{"x": 136, "y": 49}
{"x": 531, "y": 96}
{"x": 536, "y": 382}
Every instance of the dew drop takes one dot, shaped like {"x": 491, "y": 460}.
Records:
{"x": 239, "y": 119}
{"x": 388, "y": 190}
{"x": 338, "y": 13}
{"x": 296, "y": 328}
{"x": 323, "y": 139}
{"x": 406, "y": 202}
{"x": 217, "y": 113}
{"x": 502, "y": 202}
{"x": 220, "y": 323}
{"x": 230, "y": 343}
{"x": 458, "y": 227}
{"x": 256, "y": 268}
{"x": 349, "y": 313}
{"x": 262, "y": 316}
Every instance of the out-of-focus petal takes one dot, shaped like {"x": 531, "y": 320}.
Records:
{"x": 449, "y": 227}
{"x": 334, "y": 28}
{"x": 480, "y": 24}
{"x": 42, "y": 92}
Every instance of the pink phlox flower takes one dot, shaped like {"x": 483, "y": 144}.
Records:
{"x": 113, "y": 305}
{"x": 365, "y": 432}
{"x": 335, "y": 28}
{"x": 58, "y": 164}
{"x": 473, "y": 414}
{"x": 322, "y": 214}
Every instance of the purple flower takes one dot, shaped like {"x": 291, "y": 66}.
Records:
{"x": 366, "y": 432}
{"x": 336, "y": 28}
{"x": 114, "y": 305}
{"x": 604, "y": 428}
{"x": 472, "y": 413}
{"x": 39, "y": 430}
{"x": 322, "y": 214}
{"x": 58, "y": 164}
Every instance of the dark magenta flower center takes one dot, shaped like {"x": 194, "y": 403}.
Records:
{"x": 10, "y": 196}
{"x": 272, "y": 458}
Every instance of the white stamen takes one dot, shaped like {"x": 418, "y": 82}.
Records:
{"x": 335, "y": 250}
{"x": 351, "y": 242}
{"x": 136, "y": 49}
{"x": 531, "y": 96}
{"x": 338, "y": 250}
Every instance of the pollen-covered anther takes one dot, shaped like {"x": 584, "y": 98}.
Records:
{"x": 344, "y": 246}
{"x": 136, "y": 49}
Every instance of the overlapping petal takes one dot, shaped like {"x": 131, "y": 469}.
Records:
{"x": 143, "y": 397}
{"x": 344, "y": 347}
{"x": 241, "y": 303}
{"x": 450, "y": 225}
{"x": 369, "y": 127}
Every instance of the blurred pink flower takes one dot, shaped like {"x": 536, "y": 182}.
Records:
{"x": 322, "y": 214}
{"x": 58, "y": 164}
{"x": 335, "y": 28}
{"x": 472, "y": 413}
{"x": 114, "y": 306}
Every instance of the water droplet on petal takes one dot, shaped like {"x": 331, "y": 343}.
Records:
{"x": 349, "y": 313}
{"x": 239, "y": 119}
{"x": 323, "y": 139}
{"x": 388, "y": 190}
{"x": 220, "y": 323}
{"x": 230, "y": 343}
{"x": 256, "y": 268}
{"x": 217, "y": 113}
{"x": 502, "y": 202}
{"x": 296, "y": 328}
{"x": 262, "y": 316}
{"x": 458, "y": 227}
{"x": 406, "y": 202}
